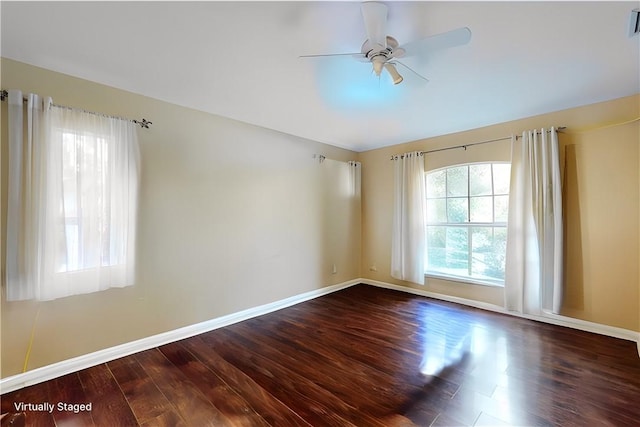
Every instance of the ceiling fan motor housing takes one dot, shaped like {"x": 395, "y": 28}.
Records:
{"x": 370, "y": 49}
{"x": 379, "y": 55}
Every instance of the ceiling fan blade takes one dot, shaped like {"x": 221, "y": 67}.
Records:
{"x": 458, "y": 37}
{"x": 412, "y": 70}
{"x": 397, "y": 53}
{"x": 355, "y": 55}
{"x": 375, "y": 22}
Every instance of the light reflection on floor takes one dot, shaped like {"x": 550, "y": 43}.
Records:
{"x": 480, "y": 356}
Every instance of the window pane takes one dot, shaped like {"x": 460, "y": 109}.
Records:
{"x": 71, "y": 262}
{"x": 457, "y": 209}
{"x": 501, "y": 208}
{"x": 457, "y": 181}
{"x": 480, "y": 180}
{"x": 457, "y": 252}
{"x": 481, "y": 209}
{"x": 488, "y": 252}
{"x": 436, "y": 184}
{"x": 436, "y": 210}
{"x": 501, "y": 178}
{"x": 436, "y": 248}
{"x": 481, "y": 248}
{"x": 448, "y": 250}
{"x": 499, "y": 253}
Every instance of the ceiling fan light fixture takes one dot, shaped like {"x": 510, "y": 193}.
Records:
{"x": 378, "y": 62}
{"x": 395, "y": 76}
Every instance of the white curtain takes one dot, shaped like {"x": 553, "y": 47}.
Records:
{"x": 408, "y": 233}
{"x": 26, "y": 194}
{"x": 355, "y": 172}
{"x": 534, "y": 275}
{"x": 74, "y": 205}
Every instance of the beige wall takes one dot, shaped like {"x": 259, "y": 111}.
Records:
{"x": 232, "y": 216}
{"x": 601, "y": 193}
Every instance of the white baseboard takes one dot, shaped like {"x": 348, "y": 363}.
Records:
{"x": 449, "y": 298}
{"x": 553, "y": 319}
{"x": 68, "y": 366}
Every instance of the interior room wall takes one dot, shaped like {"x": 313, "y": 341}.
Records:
{"x": 601, "y": 207}
{"x": 231, "y": 216}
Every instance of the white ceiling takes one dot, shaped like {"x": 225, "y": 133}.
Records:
{"x": 241, "y": 60}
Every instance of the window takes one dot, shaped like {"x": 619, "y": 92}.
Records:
{"x": 467, "y": 208}
{"x": 73, "y": 216}
{"x": 86, "y": 213}
{"x": 97, "y": 159}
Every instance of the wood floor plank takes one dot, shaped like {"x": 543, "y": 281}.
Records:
{"x": 267, "y": 405}
{"x": 313, "y": 403}
{"x": 166, "y": 419}
{"x": 379, "y": 402}
{"x": 328, "y": 359}
{"x": 223, "y": 397}
{"x": 189, "y": 402}
{"x": 145, "y": 398}
{"x": 109, "y": 406}
{"x": 68, "y": 389}
{"x": 340, "y": 351}
{"x": 362, "y": 356}
{"x": 379, "y": 354}
{"x": 400, "y": 393}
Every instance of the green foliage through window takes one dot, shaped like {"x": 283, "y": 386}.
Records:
{"x": 467, "y": 209}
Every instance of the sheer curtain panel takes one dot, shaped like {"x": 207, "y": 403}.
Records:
{"x": 355, "y": 173}
{"x": 534, "y": 274}
{"x": 408, "y": 233}
{"x": 26, "y": 194}
{"x": 74, "y": 203}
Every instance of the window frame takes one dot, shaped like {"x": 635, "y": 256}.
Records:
{"x": 467, "y": 225}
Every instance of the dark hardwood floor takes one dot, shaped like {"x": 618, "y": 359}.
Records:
{"x": 363, "y": 356}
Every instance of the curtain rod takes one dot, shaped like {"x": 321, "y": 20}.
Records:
{"x": 468, "y": 145}
{"x": 321, "y": 158}
{"x": 144, "y": 123}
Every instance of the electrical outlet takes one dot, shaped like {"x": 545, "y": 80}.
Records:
{"x": 373, "y": 268}
{"x": 334, "y": 270}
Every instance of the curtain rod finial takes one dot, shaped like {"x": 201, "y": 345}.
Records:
{"x": 143, "y": 124}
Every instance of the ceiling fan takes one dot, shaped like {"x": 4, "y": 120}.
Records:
{"x": 383, "y": 51}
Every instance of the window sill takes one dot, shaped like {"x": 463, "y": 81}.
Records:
{"x": 463, "y": 280}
